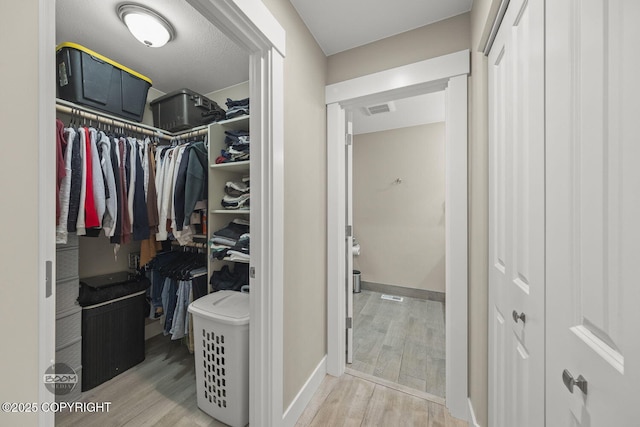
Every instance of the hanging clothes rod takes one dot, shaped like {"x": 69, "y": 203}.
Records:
{"x": 197, "y": 245}
{"x": 192, "y": 133}
{"x": 87, "y": 113}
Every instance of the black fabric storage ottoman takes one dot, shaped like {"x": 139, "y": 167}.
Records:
{"x": 113, "y": 318}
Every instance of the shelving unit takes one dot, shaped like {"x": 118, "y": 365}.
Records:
{"x": 219, "y": 174}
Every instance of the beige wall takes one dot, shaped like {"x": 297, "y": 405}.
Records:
{"x": 305, "y": 208}
{"x": 400, "y": 227}
{"x": 478, "y": 209}
{"x": 96, "y": 256}
{"x": 19, "y": 215}
{"x": 239, "y": 91}
{"x": 430, "y": 41}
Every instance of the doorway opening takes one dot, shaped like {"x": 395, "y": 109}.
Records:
{"x": 398, "y": 199}
{"x": 447, "y": 73}
{"x": 254, "y": 29}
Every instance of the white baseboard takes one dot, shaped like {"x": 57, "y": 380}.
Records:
{"x": 472, "y": 415}
{"x": 305, "y": 394}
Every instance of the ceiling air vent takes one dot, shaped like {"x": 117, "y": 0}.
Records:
{"x": 379, "y": 108}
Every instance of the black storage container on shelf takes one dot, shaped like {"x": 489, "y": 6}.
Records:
{"x": 88, "y": 78}
{"x": 113, "y": 320}
{"x": 184, "y": 109}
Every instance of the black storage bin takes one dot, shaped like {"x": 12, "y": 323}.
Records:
{"x": 112, "y": 329}
{"x": 184, "y": 109}
{"x": 88, "y": 78}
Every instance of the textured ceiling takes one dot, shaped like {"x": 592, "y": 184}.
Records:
{"x": 200, "y": 58}
{"x": 339, "y": 25}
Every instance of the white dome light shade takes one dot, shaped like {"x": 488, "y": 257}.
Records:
{"x": 148, "y": 27}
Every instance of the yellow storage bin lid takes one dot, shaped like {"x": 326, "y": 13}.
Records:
{"x": 102, "y": 58}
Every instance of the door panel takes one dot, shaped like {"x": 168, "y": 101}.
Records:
{"x": 516, "y": 215}
{"x": 498, "y": 218}
{"x": 593, "y": 234}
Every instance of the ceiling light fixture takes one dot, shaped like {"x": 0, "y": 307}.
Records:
{"x": 146, "y": 25}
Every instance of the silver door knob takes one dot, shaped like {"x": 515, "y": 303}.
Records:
{"x": 569, "y": 381}
{"x": 517, "y": 316}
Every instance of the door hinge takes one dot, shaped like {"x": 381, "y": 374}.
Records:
{"x": 348, "y": 140}
{"x": 349, "y": 322}
{"x": 349, "y": 231}
{"x": 48, "y": 281}
{"x": 252, "y": 272}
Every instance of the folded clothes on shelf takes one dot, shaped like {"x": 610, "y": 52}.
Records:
{"x": 240, "y": 202}
{"x": 238, "y": 147}
{"x": 223, "y": 242}
{"x": 238, "y": 252}
{"x": 233, "y": 230}
{"x": 236, "y": 188}
{"x": 237, "y": 108}
{"x": 231, "y": 242}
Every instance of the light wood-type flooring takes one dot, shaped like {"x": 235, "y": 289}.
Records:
{"x": 160, "y": 391}
{"x": 353, "y": 401}
{"x": 401, "y": 342}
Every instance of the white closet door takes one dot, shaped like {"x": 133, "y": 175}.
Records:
{"x": 516, "y": 218}
{"x": 593, "y": 205}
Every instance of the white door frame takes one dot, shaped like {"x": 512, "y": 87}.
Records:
{"x": 448, "y": 72}
{"x": 250, "y": 24}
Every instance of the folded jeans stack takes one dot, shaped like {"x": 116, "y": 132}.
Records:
{"x": 237, "y": 108}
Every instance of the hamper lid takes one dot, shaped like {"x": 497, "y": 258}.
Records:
{"x": 228, "y": 307}
{"x": 107, "y": 280}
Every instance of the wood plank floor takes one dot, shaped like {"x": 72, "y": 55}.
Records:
{"x": 352, "y": 401}
{"x": 160, "y": 391}
{"x": 402, "y": 342}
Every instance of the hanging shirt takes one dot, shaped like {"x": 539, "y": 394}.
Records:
{"x": 111, "y": 203}
{"x": 178, "y": 198}
{"x": 76, "y": 183}
{"x": 152, "y": 195}
{"x": 167, "y": 193}
{"x": 196, "y": 183}
{"x": 115, "y": 164}
{"x": 140, "y": 227}
{"x": 99, "y": 195}
{"x": 125, "y": 231}
{"x": 61, "y": 145}
{"x": 65, "y": 188}
{"x": 80, "y": 224}
{"x": 91, "y": 215}
{"x": 180, "y": 150}
{"x": 133, "y": 153}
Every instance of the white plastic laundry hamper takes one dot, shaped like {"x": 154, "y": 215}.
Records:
{"x": 221, "y": 336}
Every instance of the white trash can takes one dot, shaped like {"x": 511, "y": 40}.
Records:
{"x": 221, "y": 336}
